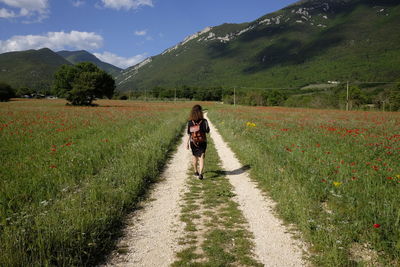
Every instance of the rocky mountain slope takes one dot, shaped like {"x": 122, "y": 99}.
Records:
{"x": 308, "y": 42}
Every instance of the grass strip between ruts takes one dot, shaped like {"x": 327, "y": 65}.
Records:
{"x": 216, "y": 232}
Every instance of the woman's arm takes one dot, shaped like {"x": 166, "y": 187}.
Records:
{"x": 206, "y": 127}
{"x": 188, "y": 134}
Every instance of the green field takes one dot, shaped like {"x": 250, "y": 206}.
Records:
{"x": 69, "y": 174}
{"x": 335, "y": 174}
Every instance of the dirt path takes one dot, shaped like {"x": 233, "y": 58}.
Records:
{"x": 274, "y": 246}
{"x": 150, "y": 238}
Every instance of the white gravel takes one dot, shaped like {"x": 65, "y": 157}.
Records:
{"x": 151, "y": 237}
{"x": 274, "y": 245}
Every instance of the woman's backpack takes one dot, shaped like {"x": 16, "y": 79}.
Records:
{"x": 197, "y": 135}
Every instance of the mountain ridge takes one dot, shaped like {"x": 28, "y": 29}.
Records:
{"x": 31, "y": 68}
{"x": 307, "y": 34}
{"x": 35, "y": 68}
{"x": 79, "y": 56}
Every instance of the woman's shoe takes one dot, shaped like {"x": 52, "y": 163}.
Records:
{"x": 201, "y": 176}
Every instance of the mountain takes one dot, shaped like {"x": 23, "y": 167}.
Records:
{"x": 75, "y": 57}
{"x": 309, "y": 42}
{"x": 32, "y": 68}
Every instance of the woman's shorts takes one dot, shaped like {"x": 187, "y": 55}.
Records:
{"x": 198, "y": 150}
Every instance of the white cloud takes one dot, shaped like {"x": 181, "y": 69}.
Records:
{"x": 37, "y": 9}
{"x": 78, "y": 3}
{"x": 141, "y": 33}
{"x": 53, "y": 40}
{"x": 118, "y": 61}
{"x": 6, "y": 14}
{"x": 126, "y": 4}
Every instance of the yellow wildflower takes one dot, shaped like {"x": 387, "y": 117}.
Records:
{"x": 398, "y": 176}
{"x": 250, "y": 124}
{"x": 337, "y": 184}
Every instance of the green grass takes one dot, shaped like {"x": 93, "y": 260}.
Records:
{"x": 358, "y": 44}
{"x": 216, "y": 232}
{"x": 70, "y": 174}
{"x": 334, "y": 174}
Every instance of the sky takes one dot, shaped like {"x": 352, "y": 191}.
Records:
{"x": 120, "y": 32}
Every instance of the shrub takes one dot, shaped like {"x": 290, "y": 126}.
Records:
{"x": 6, "y": 92}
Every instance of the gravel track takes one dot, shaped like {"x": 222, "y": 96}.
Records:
{"x": 274, "y": 245}
{"x": 151, "y": 237}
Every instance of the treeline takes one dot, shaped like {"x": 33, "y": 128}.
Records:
{"x": 225, "y": 95}
{"x": 361, "y": 96}
{"x": 74, "y": 82}
{"x": 384, "y": 97}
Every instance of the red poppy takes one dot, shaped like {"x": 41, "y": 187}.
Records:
{"x": 377, "y": 225}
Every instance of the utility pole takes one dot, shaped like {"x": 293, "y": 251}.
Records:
{"x": 347, "y": 98}
{"x": 383, "y": 105}
{"x": 175, "y": 95}
{"x": 234, "y": 96}
{"x": 145, "y": 95}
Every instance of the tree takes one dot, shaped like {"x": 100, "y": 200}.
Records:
{"x": 25, "y": 91}
{"x": 275, "y": 98}
{"x": 83, "y": 83}
{"x": 6, "y": 92}
{"x": 394, "y": 99}
{"x": 357, "y": 97}
{"x": 63, "y": 80}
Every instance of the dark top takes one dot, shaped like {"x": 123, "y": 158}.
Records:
{"x": 203, "y": 126}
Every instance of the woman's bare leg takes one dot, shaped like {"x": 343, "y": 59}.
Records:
{"x": 195, "y": 160}
{"x": 201, "y": 159}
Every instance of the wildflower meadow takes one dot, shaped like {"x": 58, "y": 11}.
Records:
{"x": 69, "y": 174}
{"x": 334, "y": 174}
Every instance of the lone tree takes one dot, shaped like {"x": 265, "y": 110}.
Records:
{"x": 6, "y": 92}
{"x": 83, "y": 83}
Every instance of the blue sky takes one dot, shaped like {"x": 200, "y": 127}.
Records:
{"x": 121, "y": 32}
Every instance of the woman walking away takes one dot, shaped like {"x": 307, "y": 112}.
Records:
{"x": 197, "y": 140}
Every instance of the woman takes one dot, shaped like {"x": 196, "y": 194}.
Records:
{"x": 197, "y": 140}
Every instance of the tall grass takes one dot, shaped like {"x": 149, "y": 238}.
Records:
{"x": 335, "y": 174}
{"x": 69, "y": 174}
